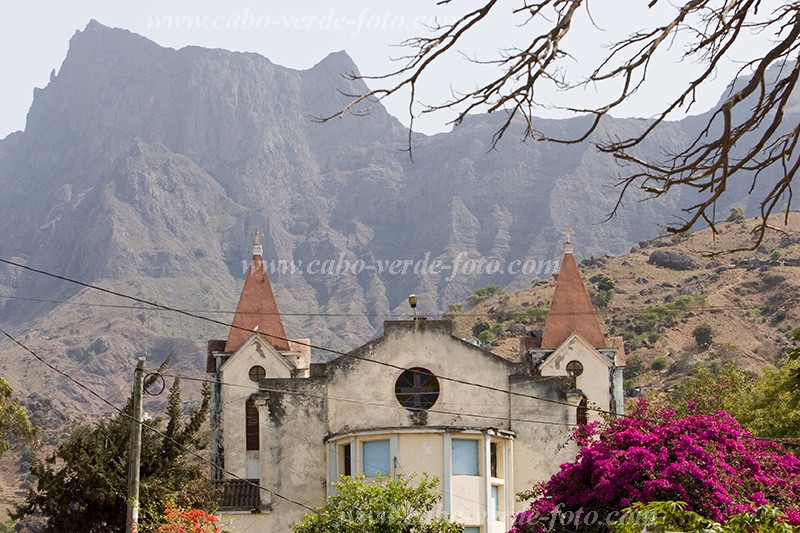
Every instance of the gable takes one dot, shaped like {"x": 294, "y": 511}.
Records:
{"x": 256, "y": 351}
{"x": 574, "y": 348}
{"x": 379, "y": 372}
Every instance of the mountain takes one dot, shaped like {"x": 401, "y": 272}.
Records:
{"x": 144, "y": 169}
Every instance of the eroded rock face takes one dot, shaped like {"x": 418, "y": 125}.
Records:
{"x": 145, "y": 163}
{"x": 673, "y": 260}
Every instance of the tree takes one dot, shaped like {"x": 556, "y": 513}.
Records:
{"x": 708, "y": 461}
{"x": 765, "y": 405}
{"x": 793, "y": 355}
{"x": 736, "y": 215}
{"x": 388, "y": 505}
{"x": 483, "y": 294}
{"x": 82, "y": 485}
{"x": 703, "y": 335}
{"x": 744, "y": 138}
{"x": 14, "y": 423}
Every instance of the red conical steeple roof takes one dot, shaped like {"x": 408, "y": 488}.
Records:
{"x": 257, "y": 310}
{"x": 571, "y": 310}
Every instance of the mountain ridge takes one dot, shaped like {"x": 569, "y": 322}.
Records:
{"x": 144, "y": 169}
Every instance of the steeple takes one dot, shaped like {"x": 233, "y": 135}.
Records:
{"x": 571, "y": 309}
{"x": 257, "y": 309}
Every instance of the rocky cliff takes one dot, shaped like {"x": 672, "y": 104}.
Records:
{"x": 144, "y": 169}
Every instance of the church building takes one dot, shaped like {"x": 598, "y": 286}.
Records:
{"x": 415, "y": 399}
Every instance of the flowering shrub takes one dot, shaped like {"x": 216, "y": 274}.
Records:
{"x": 188, "y": 521}
{"x": 708, "y": 461}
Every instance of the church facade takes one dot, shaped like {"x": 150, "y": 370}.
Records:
{"x": 416, "y": 399}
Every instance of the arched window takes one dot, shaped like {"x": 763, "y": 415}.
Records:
{"x": 251, "y": 425}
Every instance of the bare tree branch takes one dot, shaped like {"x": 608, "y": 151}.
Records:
{"x": 745, "y": 136}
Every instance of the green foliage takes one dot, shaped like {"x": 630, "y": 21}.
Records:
{"x": 14, "y": 422}
{"x": 793, "y": 355}
{"x": 605, "y": 292}
{"x": 388, "y": 505}
{"x": 653, "y": 317}
{"x": 481, "y": 295}
{"x": 736, "y": 215}
{"x": 606, "y": 283}
{"x": 601, "y": 299}
{"x": 9, "y": 526}
{"x": 479, "y": 327}
{"x": 660, "y": 363}
{"x": 661, "y": 517}
{"x": 703, "y": 334}
{"x": 712, "y": 389}
{"x": 82, "y": 485}
{"x": 776, "y": 255}
{"x": 486, "y": 331}
{"x": 768, "y": 405}
{"x": 634, "y": 367}
{"x": 453, "y": 310}
{"x": 499, "y": 320}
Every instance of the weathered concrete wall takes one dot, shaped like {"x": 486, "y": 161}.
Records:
{"x": 542, "y": 424}
{"x": 418, "y": 344}
{"x": 293, "y": 454}
{"x": 236, "y": 388}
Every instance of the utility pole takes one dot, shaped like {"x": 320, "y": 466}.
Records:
{"x": 135, "y": 456}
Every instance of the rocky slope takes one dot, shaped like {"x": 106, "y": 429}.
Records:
{"x": 661, "y": 291}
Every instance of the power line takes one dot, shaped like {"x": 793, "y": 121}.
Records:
{"x": 276, "y": 337}
{"x": 321, "y": 348}
{"x": 363, "y": 402}
{"x": 627, "y": 311}
{"x": 144, "y": 425}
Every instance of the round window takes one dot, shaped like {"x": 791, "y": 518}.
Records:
{"x": 417, "y": 389}
{"x": 257, "y": 373}
{"x": 574, "y": 368}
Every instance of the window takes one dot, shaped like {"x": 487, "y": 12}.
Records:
{"x": 582, "y": 416}
{"x": 347, "y": 460}
{"x": 257, "y": 373}
{"x": 417, "y": 389}
{"x": 465, "y": 457}
{"x": 251, "y": 425}
{"x": 574, "y": 369}
{"x": 474, "y": 529}
{"x": 376, "y": 458}
{"x": 494, "y": 503}
{"x": 493, "y": 458}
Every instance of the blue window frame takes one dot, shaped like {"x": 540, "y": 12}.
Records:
{"x": 465, "y": 457}
{"x": 375, "y": 458}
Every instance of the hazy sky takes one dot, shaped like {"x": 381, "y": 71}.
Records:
{"x": 34, "y": 38}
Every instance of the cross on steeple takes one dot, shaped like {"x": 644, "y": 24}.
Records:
{"x": 568, "y": 233}
{"x": 257, "y": 248}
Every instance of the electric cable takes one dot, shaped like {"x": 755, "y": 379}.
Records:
{"x": 324, "y": 349}
{"x": 146, "y": 426}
